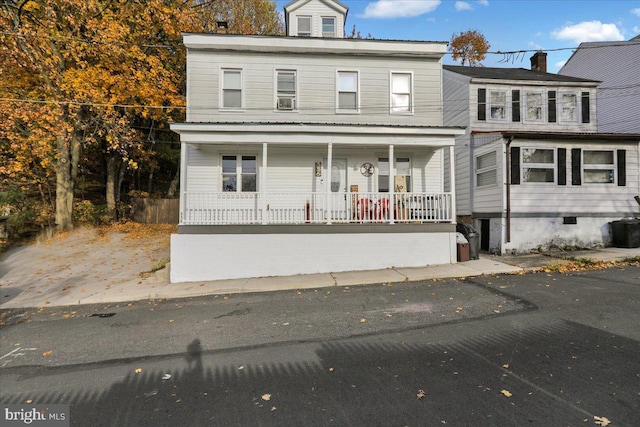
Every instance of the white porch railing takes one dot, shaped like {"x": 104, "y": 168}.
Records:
{"x": 312, "y": 208}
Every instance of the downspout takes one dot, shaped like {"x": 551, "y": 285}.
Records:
{"x": 508, "y": 207}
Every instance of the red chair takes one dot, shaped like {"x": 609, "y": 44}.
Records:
{"x": 382, "y": 209}
{"x": 364, "y": 208}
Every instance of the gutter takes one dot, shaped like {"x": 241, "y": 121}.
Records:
{"x": 508, "y": 190}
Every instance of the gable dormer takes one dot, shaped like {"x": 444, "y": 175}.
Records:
{"x": 315, "y": 18}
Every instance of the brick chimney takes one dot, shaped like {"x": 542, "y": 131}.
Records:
{"x": 539, "y": 61}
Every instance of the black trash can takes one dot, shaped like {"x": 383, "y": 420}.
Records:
{"x": 626, "y": 233}
{"x": 472, "y": 236}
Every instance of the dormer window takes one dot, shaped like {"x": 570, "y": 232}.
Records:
{"x": 328, "y": 26}
{"x": 304, "y": 26}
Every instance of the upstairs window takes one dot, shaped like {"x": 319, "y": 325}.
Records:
{"x": 239, "y": 173}
{"x": 286, "y": 90}
{"x": 347, "y": 100}
{"x": 533, "y": 106}
{"x": 401, "y": 93}
{"x": 232, "y": 89}
{"x": 498, "y": 100}
{"x": 538, "y": 165}
{"x": 328, "y": 26}
{"x": 569, "y": 108}
{"x": 304, "y": 26}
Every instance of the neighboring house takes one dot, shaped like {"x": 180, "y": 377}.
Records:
{"x": 617, "y": 65}
{"x": 532, "y": 170}
{"x": 309, "y": 154}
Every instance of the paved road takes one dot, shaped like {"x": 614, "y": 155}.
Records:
{"x": 535, "y": 349}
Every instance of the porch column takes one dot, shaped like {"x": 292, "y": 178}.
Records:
{"x": 263, "y": 183}
{"x": 327, "y": 183}
{"x": 392, "y": 187}
{"x": 452, "y": 182}
{"x": 182, "y": 189}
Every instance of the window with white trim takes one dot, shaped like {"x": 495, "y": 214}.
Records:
{"x": 232, "y": 89}
{"x": 239, "y": 173}
{"x": 401, "y": 92}
{"x": 487, "y": 169}
{"x": 402, "y": 175}
{"x": 328, "y": 26}
{"x": 538, "y": 165}
{"x": 304, "y": 26}
{"x": 598, "y": 166}
{"x": 498, "y": 104}
{"x": 347, "y": 99}
{"x": 533, "y": 107}
{"x": 569, "y": 107}
{"x": 286, "y": 90}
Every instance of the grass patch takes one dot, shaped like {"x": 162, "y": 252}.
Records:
{"x": 157, "y": 267}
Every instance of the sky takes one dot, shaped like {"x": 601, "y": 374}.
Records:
{"x": 508, "y": 25}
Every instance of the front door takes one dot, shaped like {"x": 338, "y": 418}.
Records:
{"x": 337, "y": 180}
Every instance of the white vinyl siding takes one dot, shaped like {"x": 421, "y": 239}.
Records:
{"x": 598, "y": 166}
{"x": 401, "y": 92}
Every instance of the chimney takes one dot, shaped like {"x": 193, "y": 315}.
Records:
{"x": 539, "y": 61}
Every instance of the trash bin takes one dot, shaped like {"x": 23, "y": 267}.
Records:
{"x": 626, "y": 233}
{"x": 463, "y": 248}
{"x": 472, "y": 236}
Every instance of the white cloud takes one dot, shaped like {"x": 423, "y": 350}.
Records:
{"x": 463, "y": 5}
{"x": 636, "y": 30}
{"x": 588, "y": 31}
{"x": 399, "y": 8}
{"x": 560, "y": 64}
{"x": 535, "y": 46}
{"x": 484, "y": 2}
{"x": 636, "y": 11}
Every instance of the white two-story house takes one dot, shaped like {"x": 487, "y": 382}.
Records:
{"x": 532, "y": 169}
{"x": 312, "y": 153}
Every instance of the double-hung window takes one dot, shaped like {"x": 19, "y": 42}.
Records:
{"x": 402, "y": 176}
{"x": 538, "y": 165}
{"x": 498, "y": 104}
{"x": 328, "y": 26}
{"x": 285, "y": 90}
{"x": 401, "y": 93}
{"x": 533, "y": 106}
{"x": 598, "y": 166}
{"x": 232, "y": 89}
{"x": 239, "y": 173}
{"x": 487, "y": 169}
{"x": 348, "y": 99}
{"x": 569, "y": 107}
{"x": 304, "y": 26}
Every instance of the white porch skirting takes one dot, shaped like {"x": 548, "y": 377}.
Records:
{"x": 204, "y": 257}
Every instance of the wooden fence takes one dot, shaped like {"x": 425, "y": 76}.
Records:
{"x": 155, "y": 211}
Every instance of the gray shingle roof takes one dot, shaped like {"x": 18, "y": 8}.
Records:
{"x": 496, "y": 73}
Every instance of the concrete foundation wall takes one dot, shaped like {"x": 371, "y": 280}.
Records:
{"x": 202, "y": 257}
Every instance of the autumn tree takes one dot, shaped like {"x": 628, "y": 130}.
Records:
{"x": 258, "y": 17}
{"x": 469, "y": 47}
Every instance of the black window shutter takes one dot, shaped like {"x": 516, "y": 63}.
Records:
{"x": 482, "y": 104}
{"x": 562, "y": 166}
{"x": 515, "y": 106}
{"x": 622, "y": 167}
{"x": 576, "y": 168}
{"x": 515, "y": 165}
{"x": 585, "y": 108}
{"x": 552, "y": 106}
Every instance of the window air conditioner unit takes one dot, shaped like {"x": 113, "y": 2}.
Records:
{"x": 285, "y": 103}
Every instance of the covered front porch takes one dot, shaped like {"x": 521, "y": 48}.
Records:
{"x": 280, "y": 199}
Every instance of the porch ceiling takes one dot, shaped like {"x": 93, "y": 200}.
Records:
{"x": 299, "y": 133}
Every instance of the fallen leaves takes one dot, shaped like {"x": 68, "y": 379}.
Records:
{"x": 506, "y": 393}
{"x": 421, "y": 394}
{"x": 266, "y": 397}
{"x": 138, "y": 370}
{"x": 601, "y": 421}
{"x": 47, "y": 353}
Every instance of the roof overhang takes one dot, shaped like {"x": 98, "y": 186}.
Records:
{"x": 311, "y": 45}
{"x": 581, "y": 136}
{"x": 313, "y": 134}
